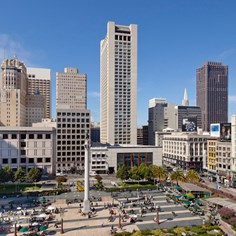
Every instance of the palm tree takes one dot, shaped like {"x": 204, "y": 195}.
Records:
{"x": 159, "y": 172}
{"x": 177, "y": 175}
{"x": 192, "y": 176}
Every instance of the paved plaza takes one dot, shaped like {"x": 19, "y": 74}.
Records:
{"x": 102, "y": 221}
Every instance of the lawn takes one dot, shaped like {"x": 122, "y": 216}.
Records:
{"x": 16, "y": 188}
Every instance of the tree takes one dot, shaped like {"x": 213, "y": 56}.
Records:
{"x": 20, "y": 175}
{"x": 2, "y": 176}
{"x": 99, "y": 184}
{"x": 145, "y": 171}
{"x": 9, "y": 173}
{"x": 159, "y": 172}
{"x": 192, "y": 176}
{"x": 135, "y": 173}
{"x": 122, "y": 173}
{"x": 60, "y": 180}
{"x": 98, "y": 178}
{"x": 34, "y": 174}
{"x": 226, "y": 213}
{"x": 177, "y": 175}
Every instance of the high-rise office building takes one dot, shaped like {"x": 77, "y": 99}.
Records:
{"x": 233, "y": 152}
{"x": 212, "y": 93}
{"x": 189, "y": 117}
{"x": 39, "y": 82}
{"x": 118, "y": 85}
{"x": 73, "y": 119}
{"x": 34, "y": 109}
{"x": 140, "y": 136}
{"x": 13, "y": 88}
{"x": 145, "y": 134}
{"x": 161, "y": 115}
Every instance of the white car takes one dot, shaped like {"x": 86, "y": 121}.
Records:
{"x": 92, "y": 173}
{"x": 60, "y": 174}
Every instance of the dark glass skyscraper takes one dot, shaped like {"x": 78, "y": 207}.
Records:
{"x": 212, "y": 93}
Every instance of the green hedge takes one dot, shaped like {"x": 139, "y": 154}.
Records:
{"x": 127, "y": 188}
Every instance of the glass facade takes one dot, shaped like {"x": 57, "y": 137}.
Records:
{"x": 134, "y": 159}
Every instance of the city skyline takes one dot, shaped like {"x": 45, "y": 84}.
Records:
{"x": 174, "y": 40}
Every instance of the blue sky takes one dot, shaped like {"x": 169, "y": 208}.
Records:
{"x": 174, "y": 38}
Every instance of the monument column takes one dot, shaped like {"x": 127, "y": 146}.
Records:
{"x": 86, "y": 208}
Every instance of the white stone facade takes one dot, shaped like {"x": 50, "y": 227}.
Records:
{"x": 233, "y": 150}
{"x": 28, "y": 147}
{"x": 184, "y": 150}
{"x": 110, "y": 158}
{"x": 118, "y": 85}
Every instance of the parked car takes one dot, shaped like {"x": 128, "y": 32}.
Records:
{"x": 60, "y": 174}
{"x": 92, "y": 173}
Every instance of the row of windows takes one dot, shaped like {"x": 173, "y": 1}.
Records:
{"x": 64, "y": 148}
{"x": 70, "y": 136}
{"x": 98, "y": 155}
{"x": 224, "y": 166}
{"x": 98, "y": 162}
{"x": 68, "y": 164}
{"x": 68, "y": 142}
{"x": 68, "y": 131}
{"x": 63, "y": 159}
{"x": 27, "y": 136}
{"x": 64, "y": 154}
{"x": 24, "y": 160}
{"x": 122, "y": 37}
{"x": 72, "y": 114}
{"x": 72, "y": 125}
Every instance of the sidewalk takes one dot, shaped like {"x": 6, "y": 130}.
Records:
{"x": 222, "y": 188}
{"x": 227, "y": 228}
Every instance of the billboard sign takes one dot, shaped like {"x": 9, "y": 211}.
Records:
{"x": 189, "y": 124}
{"x": 225, "y": 131}
{"x": 215, "y": 130}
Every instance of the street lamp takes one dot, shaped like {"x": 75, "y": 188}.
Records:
{"x": 15, "y": 231}
{"x": 62, "y": 229}
{"x": 119, "y": 224}
{"x": 15, "y": 223}
{"x": 157, "y": 215}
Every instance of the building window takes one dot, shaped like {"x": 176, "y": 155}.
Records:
{"x": 5, "y": 136}
{"x": 39, "y": 160}
{"x": 23, "y": 144}
{"x": 31, "y": 160}
{"x": 22, "y": 152}
{"x": 4, "y": 161}
{"x": 23, "y": 136}
{"x": 23, "y": 160}
{"x": 39, "y": 136}
{"x": 14, "y": 136}
{"x": 48, "y": 136}
{"x": 48, "y": 160}
{"x": 31, "y": 136}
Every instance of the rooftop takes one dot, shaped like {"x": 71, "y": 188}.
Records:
{"x": 193, "y": 188}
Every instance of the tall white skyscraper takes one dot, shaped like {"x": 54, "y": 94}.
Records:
{"x": 118, "y": 85}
